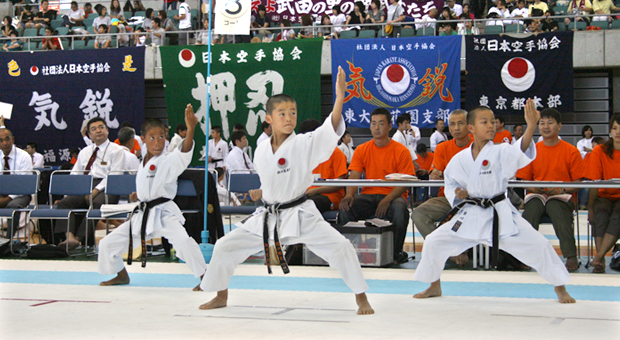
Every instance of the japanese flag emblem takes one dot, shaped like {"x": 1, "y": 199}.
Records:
{"x": 485, "y": 164}
{"x": 187, "y": 58}
{"x": 282, "y": 163}
{"x": 152, "y": 168}
{"x": 34, "y": 70}
{"x": 518, "y": 74}
{"x": 395, "y": 79}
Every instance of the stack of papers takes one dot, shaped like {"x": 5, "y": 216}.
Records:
{"x": 400, "y": 177}
{"x": 373, "y": 222}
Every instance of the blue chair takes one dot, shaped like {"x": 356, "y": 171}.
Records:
{"x": 118, "y": 184}
{"x": 19, "y": 183}
{"x": 347, "y": 34}
{"x": 240, "y": 181}
{"x": 494, "y": 29}
{"x": 185, "y": 188}
{"x": 62, "y": 183}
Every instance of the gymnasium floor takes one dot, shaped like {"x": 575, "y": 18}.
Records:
{"x": 61, "y": 299}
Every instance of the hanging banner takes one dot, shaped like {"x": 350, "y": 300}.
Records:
{"x": 233, "y": 17}
{"x": 420, "y": 76}
{"x": 503, "y": 72}
{"x": 243, "y": 77}
{"x": 292, "y": 10}
{"x": 53, "y": 92}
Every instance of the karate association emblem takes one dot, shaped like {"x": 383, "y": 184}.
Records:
{"x": 518, "y": 74}
{"x": 34, "y": 70}
{"x": 187, "y": 58}
{"x": 486, "y": 164}
{"x": 395, "y": 79}
{"x": 152, "y": 168}
{"x": 282, "y": 163}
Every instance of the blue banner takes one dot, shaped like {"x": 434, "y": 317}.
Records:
{"x": 54, "y": 92}
{"x": 420, "y": 76}
{"x": 506, "y": 71}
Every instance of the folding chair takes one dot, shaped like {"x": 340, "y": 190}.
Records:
{"x": 62, "y": 183}
{"x": 117, "y": 184}
{"x": 240, "y": 181}
{"x": 20, "y": 182}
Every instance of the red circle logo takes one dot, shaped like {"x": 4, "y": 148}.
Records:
{"x": 152, "y": 168}
{"x": 485, "y": 163}
{"x": 282, "y": 161}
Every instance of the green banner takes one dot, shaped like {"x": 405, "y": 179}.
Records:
{"x": 243, "y": 77}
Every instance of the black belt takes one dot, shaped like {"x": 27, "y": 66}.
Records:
{"x": 213, "y": 160}
{"x": 144, "y": 207}
{"x": 275, "y": 209}
{"x": 484, "y": 203}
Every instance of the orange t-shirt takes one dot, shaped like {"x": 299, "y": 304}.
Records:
{"x": 332, "y": 168}
{"x": 600, "y": 166}
{"x": 136, "y": 145}
{"x": 444, "y": 153}
{"x": 376, "y": 163}
{"x": 427, "y": 162}
{"x": 503, "y": 137}
{"x": 561, "y": 162}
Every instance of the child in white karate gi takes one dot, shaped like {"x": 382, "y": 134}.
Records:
{"x": 156, "y": 185}
{"x": 482, "y": 172}
{"x": 285, "y": 165}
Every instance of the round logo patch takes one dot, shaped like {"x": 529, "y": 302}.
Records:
{"x": 152, "y": 167}
{"x": 518, "y": 74}
{"x": 210, "y": 208}
{"x": 34, "y": 70}
{"x": 282, "y": 163}
{"x": 187, "y": 58}
{"x": 395, "y": 79}
{"x": 485, "y": 164}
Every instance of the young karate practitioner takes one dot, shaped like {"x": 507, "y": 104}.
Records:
{"x": 284, "y": 164}
{"x": 156, "y": 186}
{"x": 477, "y": 179}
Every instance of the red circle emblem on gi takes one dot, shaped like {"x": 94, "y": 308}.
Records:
{"x": 282, "y": 163}
{"x": 485, "y": 164}
{"x": 152, "y": 167}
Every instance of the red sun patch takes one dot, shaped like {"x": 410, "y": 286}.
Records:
{"x": 152, "y": 167}
{"x": 282, "y": 163}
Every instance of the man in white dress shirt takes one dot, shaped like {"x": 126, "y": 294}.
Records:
{"x": 38, "y": 161}
{"x": 177, "y": 139}
{"x": 126, "y": 138}
{"x": 438, "y": 136}
{"x": 12, "y": 158}
{"x": 266, "y": 132}
{"x": 237, "y": 159}
{"x": 98, "y": 159}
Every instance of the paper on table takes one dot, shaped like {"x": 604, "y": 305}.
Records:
{"x": 373, "y": 222}
{"x": 6, "y": 110}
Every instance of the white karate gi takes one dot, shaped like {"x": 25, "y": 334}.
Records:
{"x": 403, "y": 138}
{"x": 436, "y": 138}
{"x": 347, "y": 149}
{"x": 158, "y": 178}
{"x": 219, "y": 151}
{"x": 582, "y": 144}
{"x": 285, "y": 176}
{"x": 487, "y": 177}
{"x": 174, "y": 142}
{"x": 414, "y": 140}
{"x": 263, "y": 136}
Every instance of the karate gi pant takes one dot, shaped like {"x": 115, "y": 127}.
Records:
{"x": 115, "y": 244}
{"x": 323, "y": 240}
{"x": 528, "y": 246}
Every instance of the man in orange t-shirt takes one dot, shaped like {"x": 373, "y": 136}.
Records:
{"x": 377, "y": 158}
{"x": 425, "y": 160}
{"x": 334, "y": 168}
{"x": 501, "y": 134}
{"x": 426, "y": 215}
{"x": 556, "y": 160}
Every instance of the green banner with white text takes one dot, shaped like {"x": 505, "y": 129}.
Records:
{"x": 243, "y": 77}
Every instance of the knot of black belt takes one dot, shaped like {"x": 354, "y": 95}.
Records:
{"x": 275, "y": 209}
{"x": 144, "y": 207}
{"x": 484, "y": 203}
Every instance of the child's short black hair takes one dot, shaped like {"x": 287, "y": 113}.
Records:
{"x": 237, "y": 127}
{"x": 33, "y": 145}
{"x": 180, "y": 127}
{"x": 74, "y": 151}
{"x": 94, "y": 120}
{"x": 277, "y": 99}
{"x": 471, "y": 115}
{"x": 405, "y": 117}
{"x": 151, "y": 123}
{"x": 105, "y": 27}
{"x": 501, "y": 119}
{"x": 598, "y": 140}
{"x": 264, "y": 125}
{"x": 551, "y": 113}
{"x": 382, "y": 111}
{"x": 237, "y": 136}
{"x": 309, "y": 125}
{"x": 514, "y": 127}
{"x": 217, "y": 129}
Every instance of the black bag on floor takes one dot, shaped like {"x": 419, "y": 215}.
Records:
{"x": 46, "y": 251}
{"x": 18, "y": 248}
{"x": 615, "y": 258}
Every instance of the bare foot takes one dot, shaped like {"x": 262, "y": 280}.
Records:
{"x": 218, "y": 301}
{"x": 433, "y": 291}
{"x": 122, "y": 278}
{"x": 572, "y": 264}
{"x": 598, "y": 264}
{"x": 73, "y": 243}
{"x": 197, "y": 288}
{"x": 364, "y": 306}
{"x": 563, "y": 295}
{"x": 460, "y": 260}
